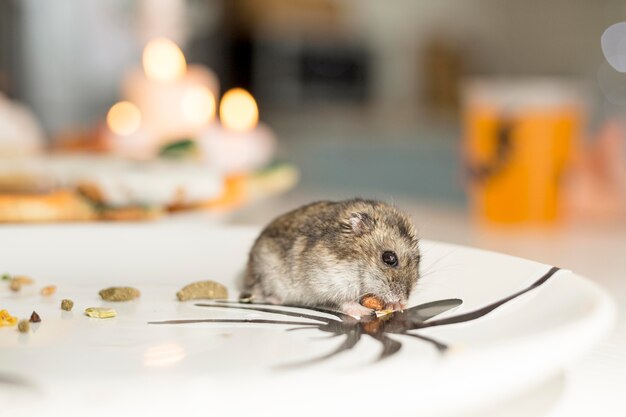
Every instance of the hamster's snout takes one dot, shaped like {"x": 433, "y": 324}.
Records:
{"x": 397, "y": 306}
{"x": 395, "y": 300}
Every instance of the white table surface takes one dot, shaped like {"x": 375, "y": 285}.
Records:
{"x": 593, "y": 385}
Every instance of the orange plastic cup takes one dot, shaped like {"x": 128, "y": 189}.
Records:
{"x": 520, "y": 137}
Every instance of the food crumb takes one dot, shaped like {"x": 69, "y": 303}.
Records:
{"x": 67, "y": 305}
{"x": 15, "y": 286}
{"x": 100, "y": 312}
{"x": 209, "y": 290}
{"x": 34, "y": 318}
{"x": 17, "y": 282}
{"x": 119, "y": 293}
{"x": 48, "y": 290}
{"x": 381, "y": 313}
{"x": 23, "y": 326}
{"x": 7, "y": 319}
{"x": 373, "y": 302}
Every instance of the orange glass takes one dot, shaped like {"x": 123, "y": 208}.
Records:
{"x": 518, "y": 151}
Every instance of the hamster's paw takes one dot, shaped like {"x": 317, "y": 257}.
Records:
{"x": 356, "y": 310}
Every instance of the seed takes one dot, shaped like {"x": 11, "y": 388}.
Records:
{"x": 67, "y": 305}
{"x": 119, "y": 293}
{"x": 203, "y": 289}
{"x": 7, "y": 319}
{"x": 246, "y": 298}
{"x": 373, "y": 302}
{"x": 18, "y": 281}
{"x": 5, "y": 277}
{"x": 34, "y": 318}
{"x": 49, "y": 290}
{"x": 100, "y": 313}
{"x": 23, "y": 326}
{"x": 23, "y": 280}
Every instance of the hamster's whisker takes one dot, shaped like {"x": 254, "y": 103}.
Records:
{"x": 267, "y": 310}
{"x": 332, "y": 312}
{"x": 305, "y": 327}
{"x": 244, "y": 320}
{"x": 436, "y": 268}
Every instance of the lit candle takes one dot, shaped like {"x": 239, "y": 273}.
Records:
{"x": 176, "y": 100}
{"x": 126, "y": 134}
{"x": 239, "y": 143}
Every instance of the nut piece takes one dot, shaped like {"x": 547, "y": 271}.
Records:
{"x": 246, "y": 298}
{"x": 18, "y": 281}
{"x": 49, "y": 290}
{"x": 100, "y": 312}
{"x": 23, "y": 326}
{"x": 383, "y": 313}
{"x": 7, "y": 319}
{"x": 210, "y": 290}
{"x": 34, "y": 318}
{"x": 119, "y": 293}
{"x": 23, "y": 279}
{"x": 67, "y": 305}
{"x": 373, "y": 302}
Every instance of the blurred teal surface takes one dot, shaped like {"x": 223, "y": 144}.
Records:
{"x": 371, "y": 158}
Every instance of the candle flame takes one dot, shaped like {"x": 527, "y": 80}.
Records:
{"x": 238, "y": 110}
{"x": 163, "y": 60}
{"x": 198, "y": 105}
{"x": 124, "y": 118}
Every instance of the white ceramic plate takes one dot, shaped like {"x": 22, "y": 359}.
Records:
{"x": 83, "y": 366}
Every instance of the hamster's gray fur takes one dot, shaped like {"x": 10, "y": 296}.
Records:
{"x": 331, "y": 254}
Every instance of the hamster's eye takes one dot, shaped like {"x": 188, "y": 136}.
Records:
{"x": 390, "y": 258}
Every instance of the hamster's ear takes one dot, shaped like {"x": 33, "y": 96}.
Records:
{"x": 359, "y": 223}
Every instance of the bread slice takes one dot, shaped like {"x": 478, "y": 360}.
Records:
{"x": 54, "y": 206}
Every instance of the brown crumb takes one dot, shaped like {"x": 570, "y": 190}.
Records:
{"x": 34, "y": 318}
{"x": 18, "y": 281}
{"x": 373, "y": 302}
{"x": 15, "y": 285}
{"x": 209, "y": 290}
{"x": 119, "y": 293}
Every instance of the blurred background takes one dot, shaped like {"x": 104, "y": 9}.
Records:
{"x": 471, "y": 112}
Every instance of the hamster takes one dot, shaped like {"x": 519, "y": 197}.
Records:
{"x": 330, "y": 254}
